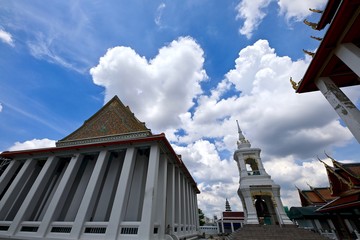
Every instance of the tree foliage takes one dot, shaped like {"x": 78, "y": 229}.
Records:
{"x": 201, "y": 217}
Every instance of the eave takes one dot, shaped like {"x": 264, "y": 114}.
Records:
{"x": 344, "y": 28}
{"x": 154, "y": 138}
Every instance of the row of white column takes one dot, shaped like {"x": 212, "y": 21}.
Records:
{"x": 183, "y": 220}
{"x": 160, "y": 207}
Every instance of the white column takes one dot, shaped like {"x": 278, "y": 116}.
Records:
{"x": 178, "y": 199}
{"x": 251, "y": 216}
{"x": 331, "y": 224}
{"x": 317, "y": 224}
{"x": 148, "y": 211}
{"x": 349, "y": 53}
{"x": 16, "y": 186}
{"x": 185, "y": 207}
{"x": 238, "y": 157}
{"x": 8, "y": 174}
{"x": 34, "y": 194}
{"x": 161, "y": 201}
{"x": 348, "y": 225}
{"x": 118, "y": 209}
{"x": 196, "y": 212}
{"x": 182, "y": 201}
{"x": 88, "y": 200}
{"x": 195, "y": 209}
{"x": 279, "y": 208}
{"x": 60, "y": 194}
{"x": 342, "y": 105}
{"x": 191, "y": 208}
{"x": 170, "y": 200}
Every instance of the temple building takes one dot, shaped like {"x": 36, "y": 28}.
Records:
{"x": 336, "y": 62}
{"x": 335, "y": 209}
{"x": 110, "y": 179}
{"x": 259, "y": 195}
{"x": 230, "y": 221}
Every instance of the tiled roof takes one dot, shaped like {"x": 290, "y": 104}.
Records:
{"x": 233, "y": 215}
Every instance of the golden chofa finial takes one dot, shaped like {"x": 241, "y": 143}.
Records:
{"x": 309, "y": 53}
{"x": 316, "y": 10}
{"x": 316, "y": 38}
{"x": 311, "y": 24}
{"x": 294, "y": 84}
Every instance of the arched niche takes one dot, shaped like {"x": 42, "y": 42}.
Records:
{"x": 252, "y": 166}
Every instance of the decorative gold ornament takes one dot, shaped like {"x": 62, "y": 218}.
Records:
{"x": 295, "y": 85}
{"x": 316, "y": 38}
{"x": 311, "y": 24}
{"x": 316, "y": 10}
{"x": 312, "y": 54}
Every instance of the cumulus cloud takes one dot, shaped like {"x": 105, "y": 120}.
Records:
{"x": 33, "y": 144}
{"x": 252, "y": 12}
{"x": 158, "y": 90}
{"x": 299, "y": 9}
{"x": 6, "y": 37}
{"x": 0, "y": 107}
{"x": 217, "y": 178}
{"x": 267, "y": 107}
{"x": 291, "y": 129}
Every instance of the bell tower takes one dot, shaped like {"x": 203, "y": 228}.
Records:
{"x": 259, "y": 195}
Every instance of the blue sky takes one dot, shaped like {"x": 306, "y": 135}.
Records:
{"x": 187, "y": 68}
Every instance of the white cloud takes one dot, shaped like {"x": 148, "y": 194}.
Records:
{"x": 41, "y": 48}
{"x": 159, "y": 13}
{"x": 289, "y": 128}
{"x": 6, "y": 37}
{"x": 281, "y": 121}
{"x": 1, "y": 107}
{"x": 52, "y": 37}
{"x": 33, "y": 144}
{"x": 252, "y": 12}
{"x": 299, "y": 9}
{"x": 217, "y": 178}
{"x": 158, "y": 90}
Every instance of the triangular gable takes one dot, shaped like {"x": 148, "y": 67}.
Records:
{"x": 338, "y": 184}
{"x": 350, "y": 171}
{"x": 111, "y": 122}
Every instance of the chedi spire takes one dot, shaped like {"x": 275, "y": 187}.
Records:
{"x": 227, "y": 206}
{"x": 242, "y": 142}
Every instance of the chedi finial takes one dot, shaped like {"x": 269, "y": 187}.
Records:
{"x": 242, "y": 142}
